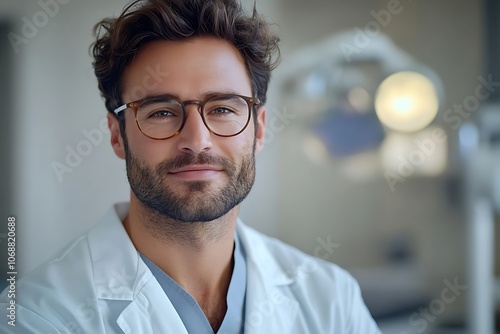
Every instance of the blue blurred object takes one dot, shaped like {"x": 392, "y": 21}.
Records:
{"x": 345, "y": 131}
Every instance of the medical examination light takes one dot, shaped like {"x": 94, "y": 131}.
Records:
{"x": 406, "y": 101}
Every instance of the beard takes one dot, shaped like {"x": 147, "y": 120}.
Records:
{"x": 190, "y": 201}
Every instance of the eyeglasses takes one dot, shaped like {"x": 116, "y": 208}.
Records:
{"x": 163, "y": 117}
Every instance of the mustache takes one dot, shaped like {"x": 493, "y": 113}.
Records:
{"x": 203, "y": 158}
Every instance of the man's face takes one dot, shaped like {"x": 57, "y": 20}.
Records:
{"x": 196, "y": 175}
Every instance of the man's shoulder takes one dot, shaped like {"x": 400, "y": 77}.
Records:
{"x": 62, "y": 293}
{"x": 303, "y": 279}
{"x": 74, "y": 265}
{"x": 68, "y": 262}
{"x": 43, "y": 293}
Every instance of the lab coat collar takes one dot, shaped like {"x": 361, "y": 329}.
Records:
{"x": 121, "y": 275}
{"x": 118, "y": 271}
{"x": 268, "y": 308}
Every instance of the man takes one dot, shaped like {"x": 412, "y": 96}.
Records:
{"x": 176, "y": 259}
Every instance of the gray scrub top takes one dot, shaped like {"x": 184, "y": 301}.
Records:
{"x": 191, "y": 313}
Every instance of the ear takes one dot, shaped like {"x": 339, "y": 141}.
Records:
{"x": 261, "y": 130}
{"x": 116, "y": 136}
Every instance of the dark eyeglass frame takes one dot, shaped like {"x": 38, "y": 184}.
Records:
{"x": 135, "y": 105}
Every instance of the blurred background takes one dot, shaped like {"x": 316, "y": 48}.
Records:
{"x": 381, "y": 148}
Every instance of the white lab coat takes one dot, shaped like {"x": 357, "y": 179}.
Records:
{"x": 99, "y": 284}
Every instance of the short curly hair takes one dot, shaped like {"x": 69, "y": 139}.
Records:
{"x": 118, "y": 40}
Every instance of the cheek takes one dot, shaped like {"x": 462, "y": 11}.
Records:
{"x": 144, "y": 148}
{"x": 240, "y": 146}
{"x": 134, "y": 136}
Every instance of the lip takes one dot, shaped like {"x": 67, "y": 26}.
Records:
{"x": 195, "y": 172}
{"x": 196, "y": 168}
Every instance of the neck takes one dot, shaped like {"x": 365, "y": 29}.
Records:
{"x": 198, "y": 256}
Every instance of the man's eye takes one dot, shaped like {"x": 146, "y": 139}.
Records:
{"x": 221, "y": 111}
{"x": 160, "y": 114}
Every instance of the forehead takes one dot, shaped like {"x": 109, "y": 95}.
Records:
{"x": 187, "y": 68}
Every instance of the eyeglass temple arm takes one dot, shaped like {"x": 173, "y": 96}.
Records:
{"x": 117, "y": 110}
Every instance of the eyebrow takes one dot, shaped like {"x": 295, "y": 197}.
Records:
{"x": 203, "y": 96}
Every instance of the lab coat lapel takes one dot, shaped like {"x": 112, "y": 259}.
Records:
{"x": 268, "y": 309}
{"x": 150, "y": 311}
{"x": 120, "y": 276}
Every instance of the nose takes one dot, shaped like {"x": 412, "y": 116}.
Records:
{"x": 194, "y": 137}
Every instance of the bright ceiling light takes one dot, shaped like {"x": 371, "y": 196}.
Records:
{"x": 406, "y": 101}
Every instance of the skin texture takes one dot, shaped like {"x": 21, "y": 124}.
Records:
{"x": 201, "y": 176}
